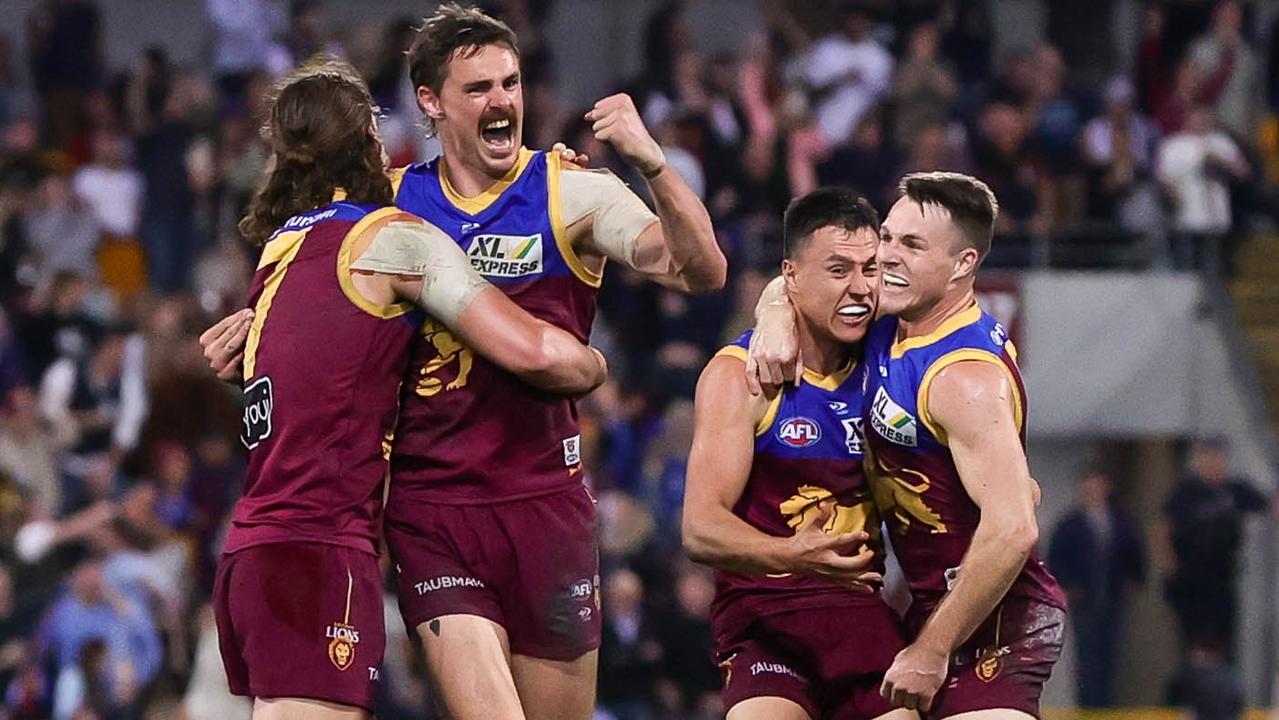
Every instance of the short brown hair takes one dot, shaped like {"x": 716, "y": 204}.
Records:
{"x": 453, "y": 29}
{"x": 972, "y": 206}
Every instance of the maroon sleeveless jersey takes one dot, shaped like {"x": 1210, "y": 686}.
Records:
{"x": 322, "y": 369}
{"x": 471, "y": 432}
{"x": 808, "y": 449}
{"x": 917, "y": 486}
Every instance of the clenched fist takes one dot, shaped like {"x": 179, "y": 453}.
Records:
{"x": 616, "y": 122}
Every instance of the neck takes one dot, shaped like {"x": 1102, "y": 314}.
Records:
{"x": 467, "y": 180}
{"x": 822, "y": 354}
{"x": 951, "y": 304}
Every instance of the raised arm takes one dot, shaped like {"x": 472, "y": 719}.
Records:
{"x": 975, "y": 404}
{"x": 677, "y": 247}
{"x": 718, "y": 467}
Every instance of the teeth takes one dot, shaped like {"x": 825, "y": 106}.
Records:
{"x": 897, "y": 280}
{"x": 854, "y": 310}
{"x": 498, "y": 125}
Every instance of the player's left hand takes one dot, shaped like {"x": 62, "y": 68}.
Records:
{"x": 569, "y": 155}
{"x": 915, "y": 677}
{"x": 616, "y": 122}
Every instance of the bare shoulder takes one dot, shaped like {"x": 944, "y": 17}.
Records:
{"x": 970, "y": 391}
{"x": 723, "y": 386}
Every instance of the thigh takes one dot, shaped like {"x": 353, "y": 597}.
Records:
{"x": 550, "y": 597}
{"x": 767, "y": 708}
{"x": 468, "y": 661}
{"x": 556, "y": 689}
{"x": 440, "y": 552}
{"x": 755, "y": 669}
{"x": 305, "y": 709}
{"x": 302, "y": 621}
{"x": 1004, "y": 666}
{"x": 997, "y": 714}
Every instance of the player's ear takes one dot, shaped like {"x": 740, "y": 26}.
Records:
{"x": 430, "y": 103}
{"x": 965, "y": 263}
{"x": 788, "y": 274}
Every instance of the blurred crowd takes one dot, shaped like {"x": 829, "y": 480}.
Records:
{"x": 120, "y": 188}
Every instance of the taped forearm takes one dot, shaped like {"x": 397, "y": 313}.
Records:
{"x": 418, "y": 249}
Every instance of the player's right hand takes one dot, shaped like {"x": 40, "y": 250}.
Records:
{"x": 223, "y": 344}
{"x": 816, "y": 553}
{"x": 773, "y": 357}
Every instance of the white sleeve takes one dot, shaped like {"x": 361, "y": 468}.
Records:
{"x": 619, "y": 216}
{"x": 418, "y": 248}
{"x": 133, "y": 395}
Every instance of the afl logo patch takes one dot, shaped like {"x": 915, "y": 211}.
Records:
{"x": 799, "y": 432}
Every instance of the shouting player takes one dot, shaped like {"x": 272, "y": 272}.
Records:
{"x": 298, "y": 594}
{"x": 777, "y": 499}
{"x": 487, "y": 519}
{"x": 945, "y": 418}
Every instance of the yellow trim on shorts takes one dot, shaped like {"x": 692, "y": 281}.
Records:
{"x": 480, "y": 203}
{"x": 369, "y": 223}
{"x": 554, "y": 166}
{"x": 956, "y": 356}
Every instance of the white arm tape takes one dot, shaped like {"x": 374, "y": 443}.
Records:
{"x": 620, "y": 216}
{"x": 405, "y": 247}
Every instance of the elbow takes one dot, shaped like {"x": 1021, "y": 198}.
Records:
{"x": 694, "y": 540}
{"x": 711, "y": 278}
{"x": 1020, "y": 535}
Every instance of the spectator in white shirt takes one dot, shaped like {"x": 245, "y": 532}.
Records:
{"x": 110, "y": 188}
{"x": 1196, "y": 166}
{"x": 847, "y": 72}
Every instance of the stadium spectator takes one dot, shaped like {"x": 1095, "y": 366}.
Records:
{"x": 102, "y": 397}
{"x": 923, "y": 88}
{"x": 1097, "y": 554}
{"x": 62, "y": 230}
{"x": 242, "y": 43}
{"x": 847, "y": 72}
{"x": 1196, "y": 167}
{"x": 1230, "y": 70}
{"x": 631, "y": 653}
{"x": 90, "y": 611}
{"x": 30, "y": 451}
{"x": 64, "y": 44}
{"x": 1203, "y": 530}
{"x": 690, "y": 684}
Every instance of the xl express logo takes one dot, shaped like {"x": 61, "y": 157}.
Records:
{"x": 506, "y": 256}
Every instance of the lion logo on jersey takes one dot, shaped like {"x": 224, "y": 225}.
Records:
{"x": 449, "y": 350}
{"x": 805, "y": 505}
{"x": 898, "y": 498}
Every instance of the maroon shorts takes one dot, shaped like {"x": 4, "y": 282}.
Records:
{"x": 829, "y": 661}
{"x": 1005, "y": 663}
{"x": 301, "y": 620}
{"x": 531, "y": 566}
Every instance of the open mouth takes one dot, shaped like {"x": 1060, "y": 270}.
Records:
{"x": 498, "y": 135}
{"x": 856, "y": 311}
{"x": 895, "y": 280}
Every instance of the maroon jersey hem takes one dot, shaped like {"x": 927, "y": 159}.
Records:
{"x": 275, "y": 536}
{"x": 426, "y": 496}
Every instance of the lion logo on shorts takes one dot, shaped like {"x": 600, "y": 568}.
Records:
{"x": 342, "y": 642}
{"x": 988, "y": 667}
